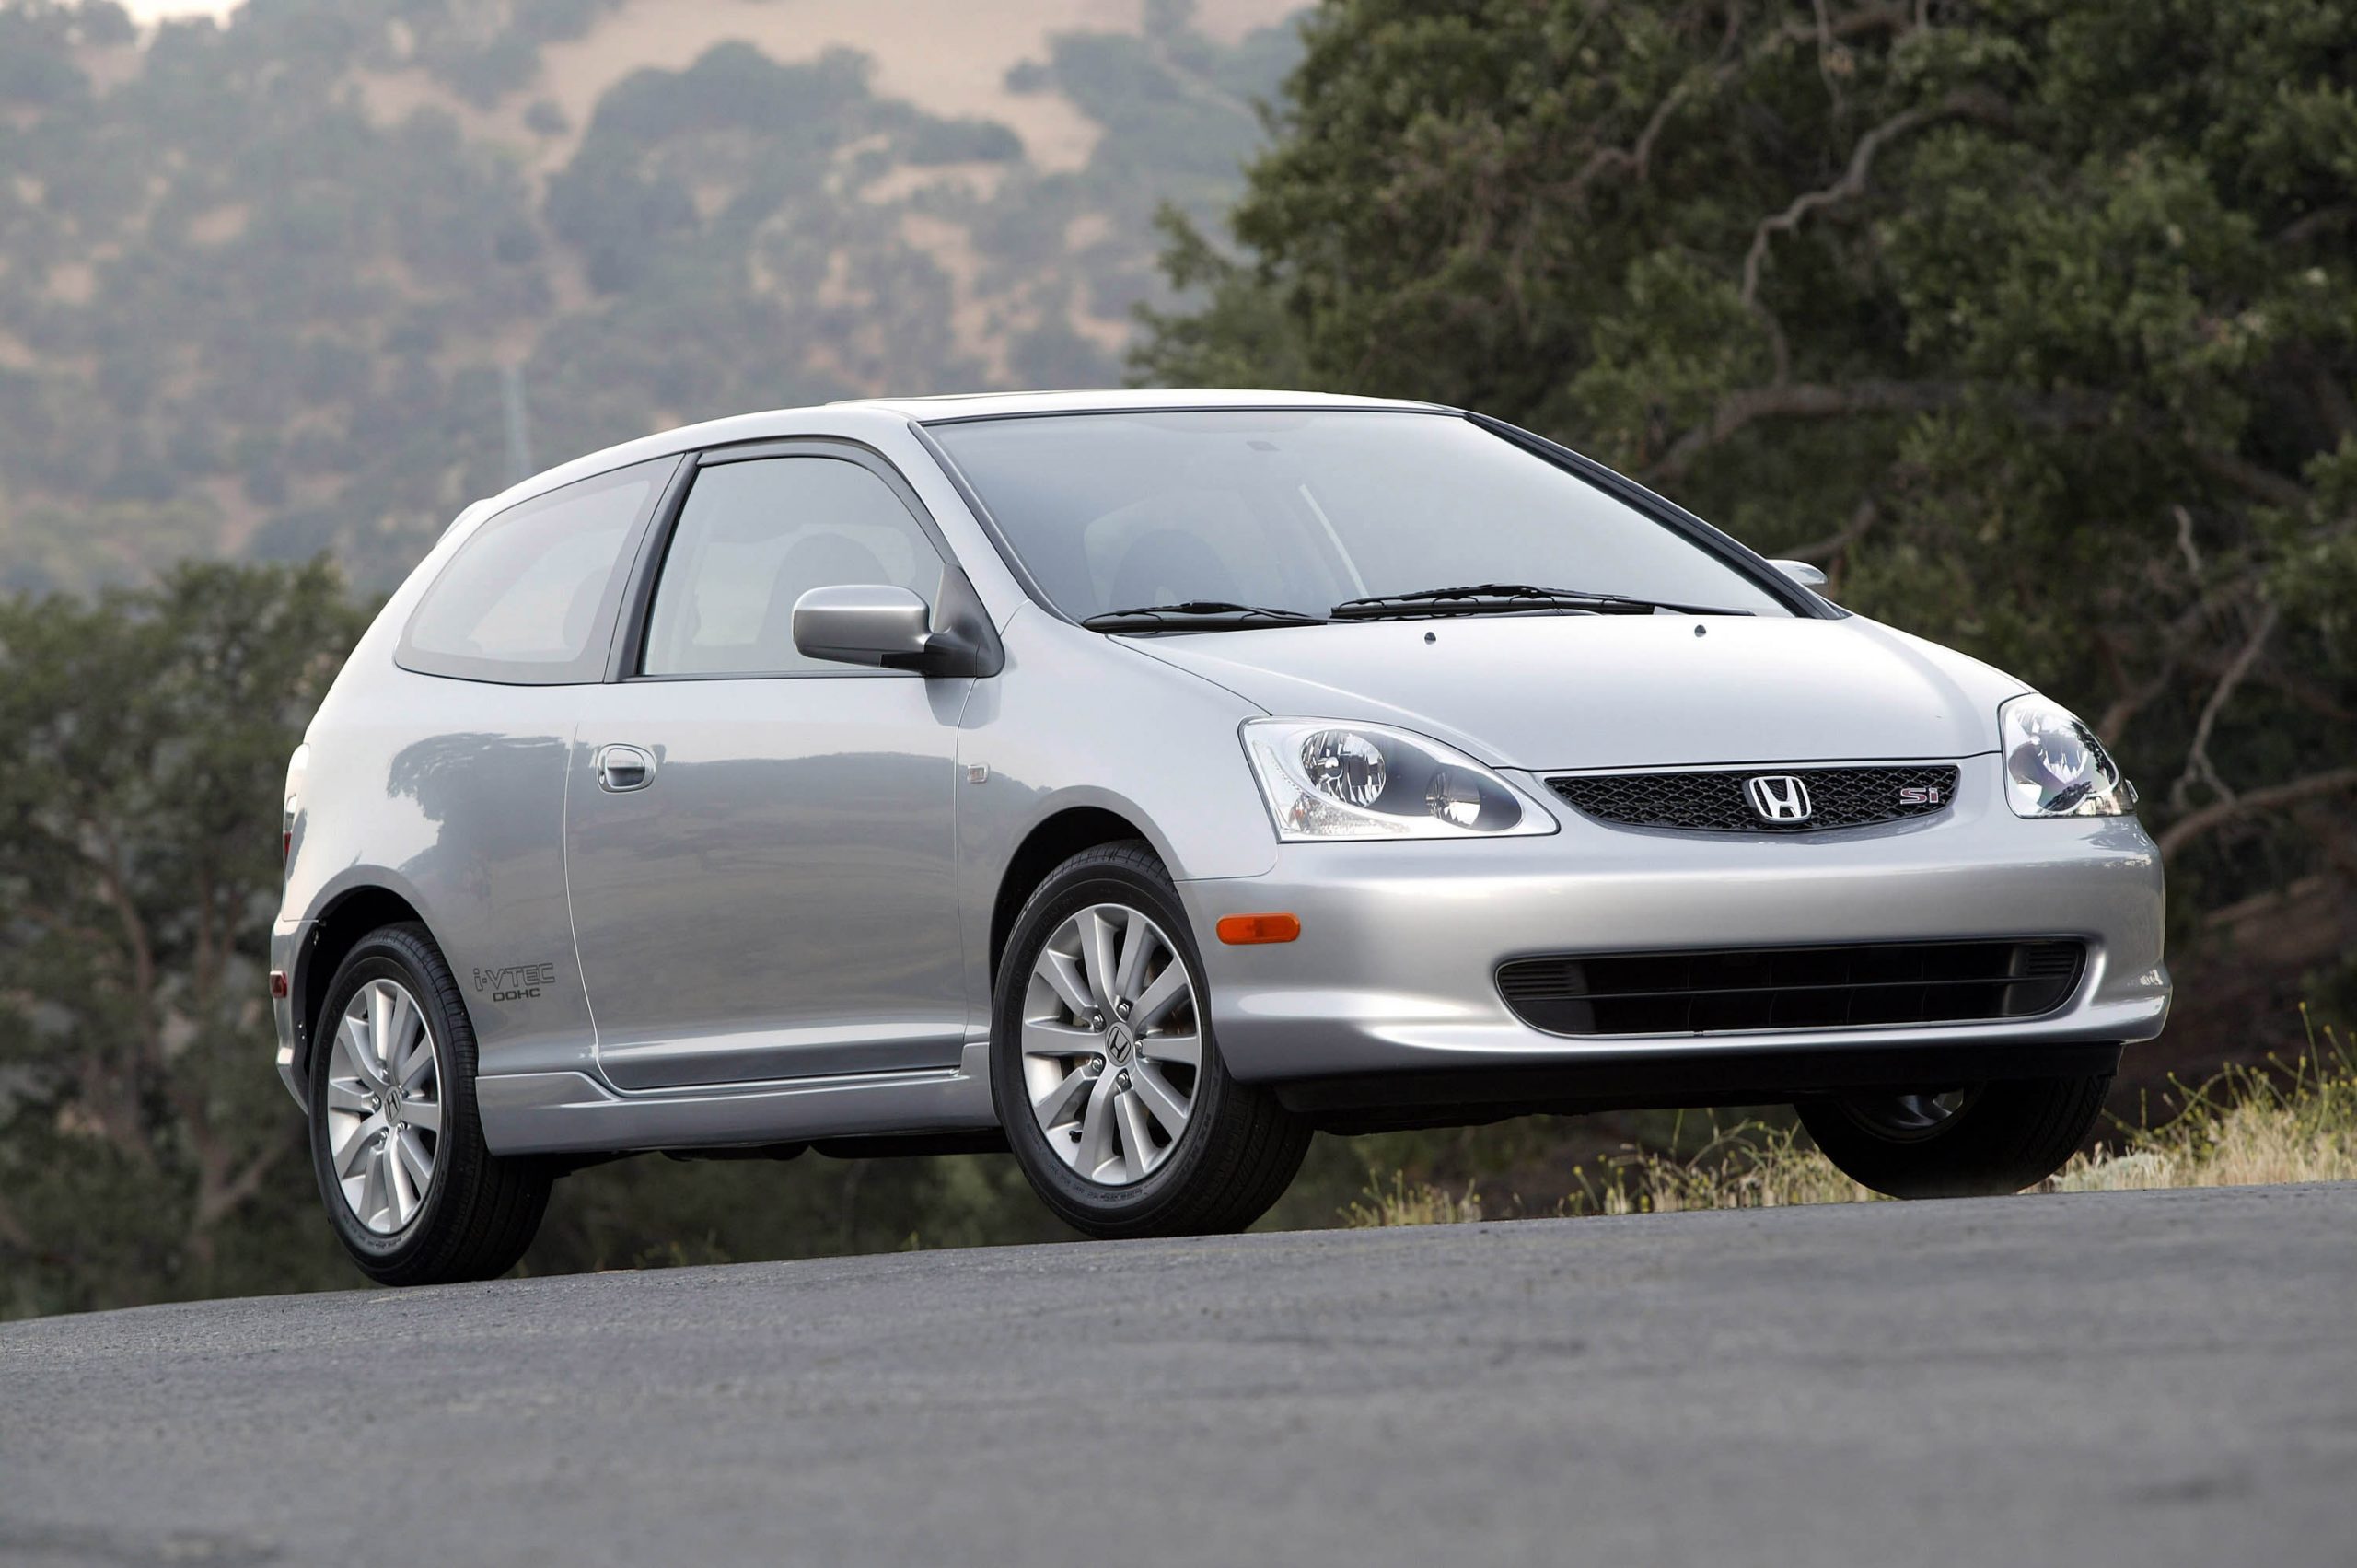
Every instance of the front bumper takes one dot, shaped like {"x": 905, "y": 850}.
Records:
{"x": 1395, "y": 970}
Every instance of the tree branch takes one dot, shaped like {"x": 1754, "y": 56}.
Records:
{"x": 1968, "y": 104}
{"x": 1802, "y": 400}
{"x": 2305, "y": 695}
{"x": 1896, "y": 14}
{"x": 1816, "y": 399}
{"x": 2265, "y": 484}
{"x": 1825, "y": 56}
{"x": 2133, "y": 699}
{"x": 213, "y": 1206}
{"x": 2185, "y": 830}
{"x": 1821, "y": 551}
{"x": 2303, "y": 229}
{"x": 2199, "y": 769}
{"x": 1197, "y": 85}
{"x": 2185, "y": 545}
{"x": 115, "y": 892}
{"x": 1637, "y": 158}
{"x": 2332, "y": 398}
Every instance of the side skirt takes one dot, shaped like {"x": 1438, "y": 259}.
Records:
{"x": 567, "y": 1112}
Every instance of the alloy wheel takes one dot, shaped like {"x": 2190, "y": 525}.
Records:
{"x": 384, "y": 1110}
{"x": 1906, "y": 1118}
{"x": 1112, "y": 1044}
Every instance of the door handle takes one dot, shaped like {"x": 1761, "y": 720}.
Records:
{"x": 624, "y": 768}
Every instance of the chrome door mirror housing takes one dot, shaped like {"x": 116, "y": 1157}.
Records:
{"x": 873, "y": 624}
{"x": 1801, "y": 572}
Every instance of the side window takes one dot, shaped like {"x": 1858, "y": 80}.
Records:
{"x": 528, "y": 599}
{"x": 756, "y": 535}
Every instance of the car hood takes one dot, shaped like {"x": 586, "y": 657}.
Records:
{"x": 1550, "y": 692}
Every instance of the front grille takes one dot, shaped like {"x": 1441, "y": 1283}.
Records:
{"x": 1715, "y": 801}
{"x": 1793, "y": 988}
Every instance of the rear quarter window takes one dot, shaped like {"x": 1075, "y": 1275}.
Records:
{"x": 530, "y": 599}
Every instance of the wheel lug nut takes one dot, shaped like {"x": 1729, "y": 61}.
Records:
{"x": 1123, "y": 1082}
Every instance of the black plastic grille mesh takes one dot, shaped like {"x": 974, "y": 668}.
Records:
{"x": 1715, "y": 802}
{"x": 1793, "y": 988}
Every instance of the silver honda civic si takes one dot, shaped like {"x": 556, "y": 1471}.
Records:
{"x": 1140, "y": 781}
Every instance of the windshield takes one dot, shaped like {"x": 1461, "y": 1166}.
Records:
{"x": 1298, "y": 510}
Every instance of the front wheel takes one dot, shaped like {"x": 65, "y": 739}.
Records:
{"x": 1980, "y": 1141}
{"x": 1106, "y": 1074}
{"x": 414, "y": 1195}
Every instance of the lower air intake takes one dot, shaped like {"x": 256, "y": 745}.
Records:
{"x": 1878, "y": 984}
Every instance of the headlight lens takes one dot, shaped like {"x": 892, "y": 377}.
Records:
{"x": 2055, "y": 766}
{"x": 1345, "y": 765}
{"x": 1324, "y": 780}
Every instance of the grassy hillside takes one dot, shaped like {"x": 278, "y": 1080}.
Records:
{"x": 265, "y": 286}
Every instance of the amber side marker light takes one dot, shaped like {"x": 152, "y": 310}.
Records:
{"x": 1241, "y": 930}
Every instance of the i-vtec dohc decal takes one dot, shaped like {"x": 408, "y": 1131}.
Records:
{"x": 517, "y": 982}
{"x": 1919, "y": 795}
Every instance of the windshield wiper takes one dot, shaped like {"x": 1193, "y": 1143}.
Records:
{"x": 1506, "y": 598}
{"x": 1199, "y": 615}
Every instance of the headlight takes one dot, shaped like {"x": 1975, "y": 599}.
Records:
{"x": 2055, "y": 766}
{"x": 1324, "y": 780}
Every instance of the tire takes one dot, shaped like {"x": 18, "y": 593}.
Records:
{"x": 1981, "y": 1142}
{"x": 1236, "y": 1149}
{"x": 473, "y": 1215}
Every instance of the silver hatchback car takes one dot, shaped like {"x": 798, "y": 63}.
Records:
{"x": 1142, "y": 780}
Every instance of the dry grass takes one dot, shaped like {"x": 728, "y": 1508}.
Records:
{"x": 1403, "y": 1203}
{"x": 2282, "y": 1123}
{"x": 2294, "y": 1122}
{"x": 1749, "y": 1165}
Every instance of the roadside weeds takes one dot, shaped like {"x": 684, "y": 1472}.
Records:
{"x": 2282, "y": 1122}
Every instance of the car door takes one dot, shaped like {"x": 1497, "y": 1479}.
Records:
{"x": 472, "y": 748}
{"x": 760, "y": 846}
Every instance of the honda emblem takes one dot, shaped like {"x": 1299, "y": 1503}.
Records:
{"x": 1778, "y": 797}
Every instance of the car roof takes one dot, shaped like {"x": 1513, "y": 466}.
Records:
{"x": 1013, "y": 405}
{"x": 776, "y": 423}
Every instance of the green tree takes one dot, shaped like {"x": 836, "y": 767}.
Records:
{"x": 145, "y": 1147}
{"x": 262, "y": 280}
{"x": 2034, "y": 321}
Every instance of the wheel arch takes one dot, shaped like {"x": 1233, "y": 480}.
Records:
{"x": 1054, "y": 839}
{"x": 342, "y": 923}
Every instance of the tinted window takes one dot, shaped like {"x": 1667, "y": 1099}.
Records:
{"x": 756, "y": 535}
{"x": 1299, "y": 509}
{"x": 530, "y": 598}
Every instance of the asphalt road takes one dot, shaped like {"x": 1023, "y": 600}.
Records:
{"x": 2131, "y": 1378}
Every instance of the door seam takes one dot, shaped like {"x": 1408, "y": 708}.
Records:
{"x": 958, "y": 861}
{"x": 572, "y": 924}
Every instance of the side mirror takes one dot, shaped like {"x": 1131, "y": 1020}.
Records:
{"x": 874, "y": 624}
{"x": 1801, "y": 572}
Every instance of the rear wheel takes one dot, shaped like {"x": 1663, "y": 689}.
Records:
{"x": 1107, "y": 1077}
{"x": 1978, "y": 1141}
{"x": 414, "y": 1195}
